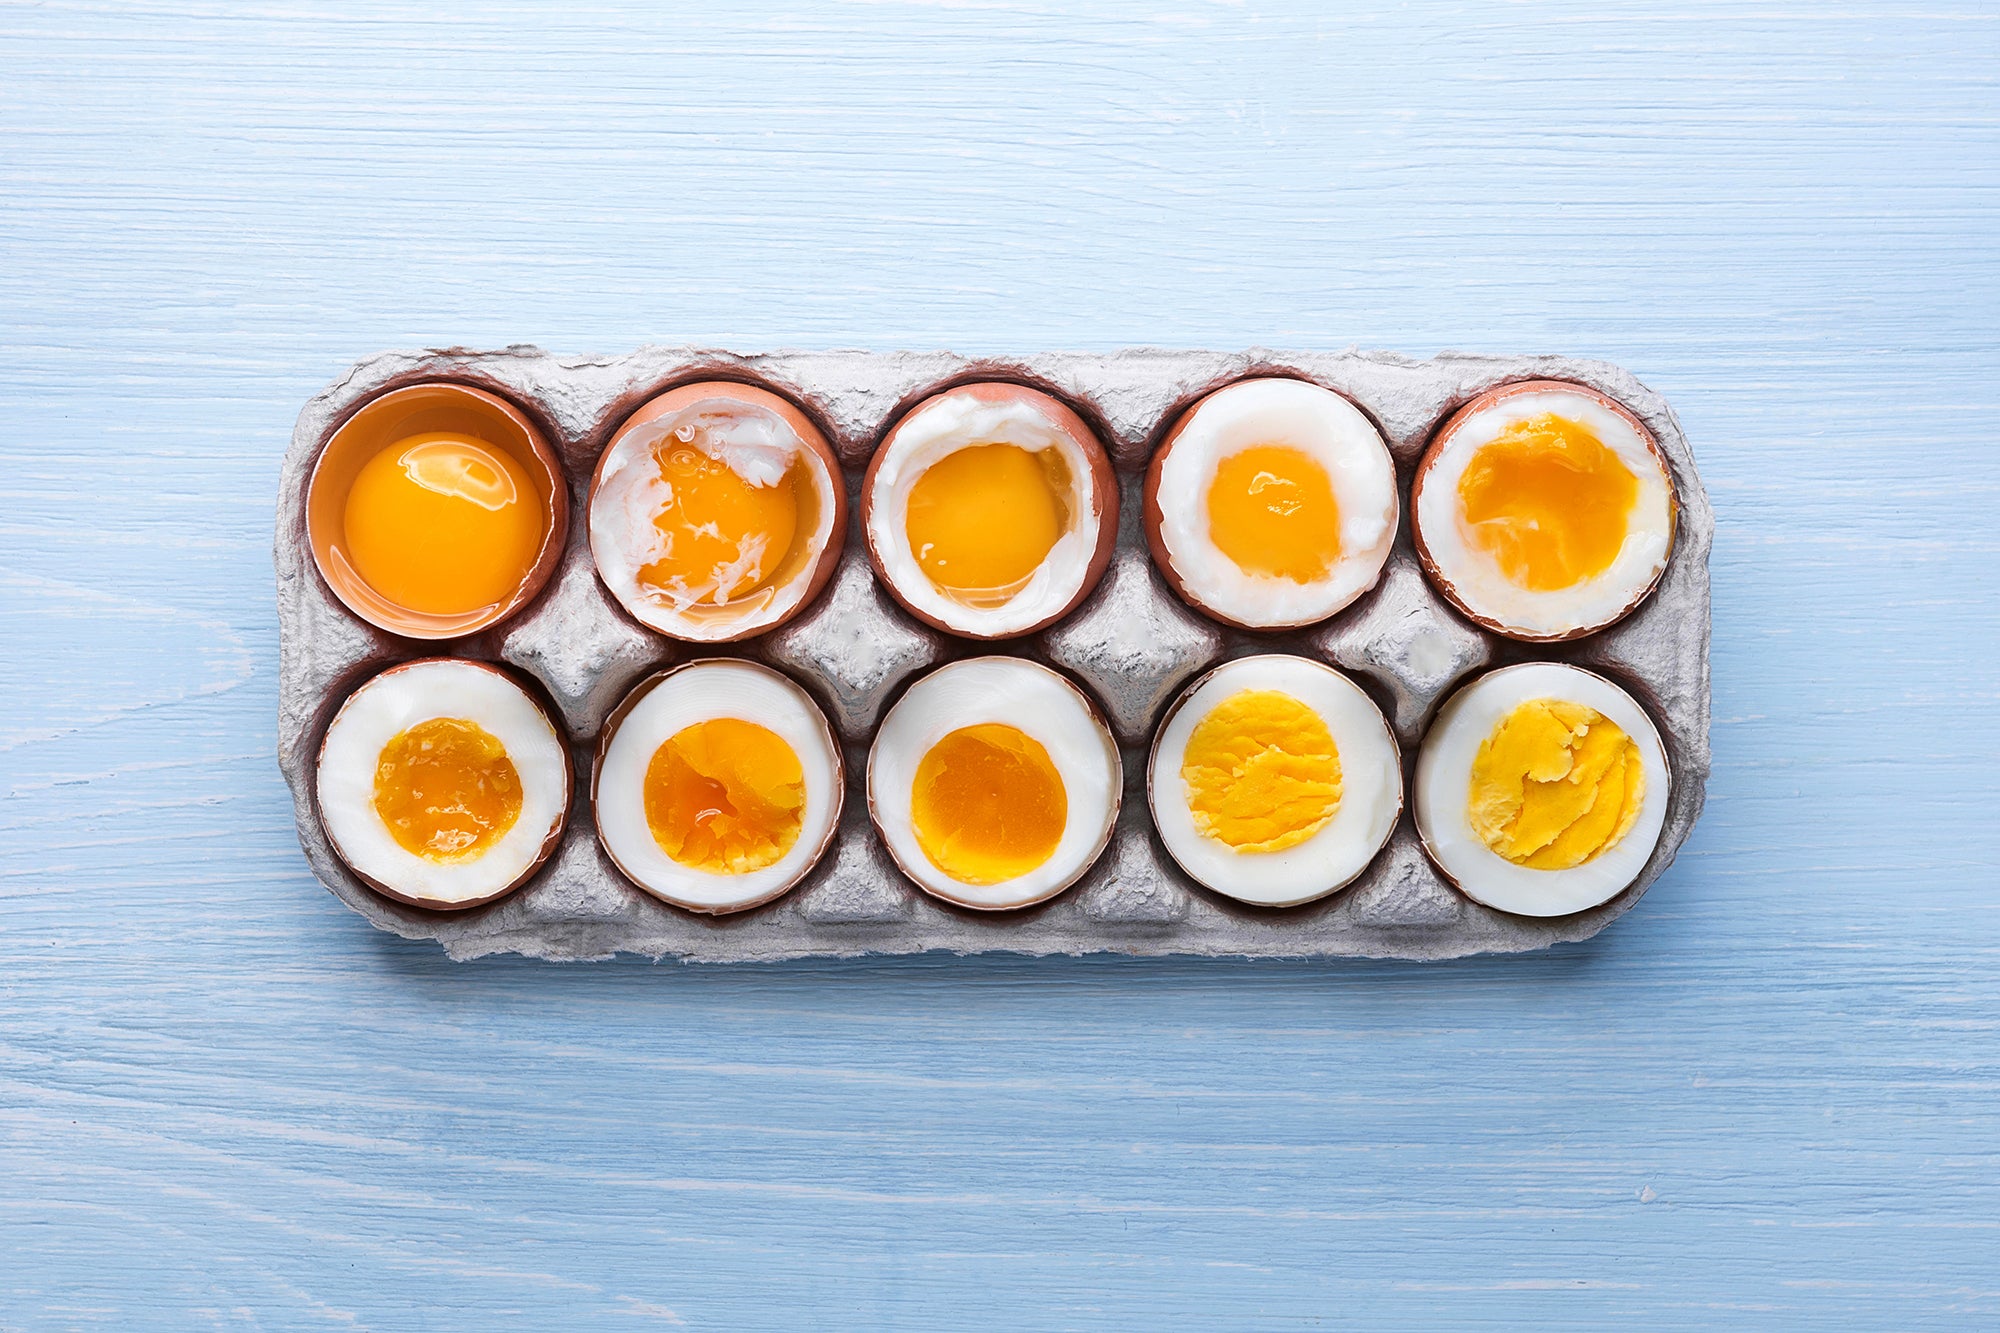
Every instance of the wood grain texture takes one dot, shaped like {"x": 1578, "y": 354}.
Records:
{"x": 1768, "y": 1098}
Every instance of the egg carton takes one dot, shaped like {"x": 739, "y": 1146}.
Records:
{"x": 1132, "y": 645}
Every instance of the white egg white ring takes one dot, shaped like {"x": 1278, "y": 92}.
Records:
{"x": 392, "y": 703}
{"x": 701, "y": 692}
{"x": 1371, "y": 786}
{"x": 1444, "y": 783}
{"x": 1018, "y": 694}
{"x": 1327, "y": 428}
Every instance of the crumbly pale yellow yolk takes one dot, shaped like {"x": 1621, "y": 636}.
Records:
{"x": 1556, "y": 784}
{"x": 1271, "y": 510}
{"x": 1548, "y": 502}
{"x": 987, "y": 804}
{"x": 1262, "y": 772}
{"x": 981, "y": 520}
{"x": 446, "y": 789}
{"x": 724, "y": 536}
{"x": 726, "y": 796}
{"x": 443, "y": 524}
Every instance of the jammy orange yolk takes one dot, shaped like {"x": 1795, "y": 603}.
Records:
{"x": 1262, "y": 772}
{"x": 725, "y": 796}
{"x": 1548, "y": 502}
{"x": 1271, "y": 510}
{"x": 981, "y": 520}
{"x": 446, "y": 789}
{"x": 723, "y": 537}
{"x": 1556, "y": 784}
{"x": 444, "y": 524}
{"x": 988, "y": 804}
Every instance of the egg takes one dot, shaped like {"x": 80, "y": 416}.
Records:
{"x": 994, "y": 783}
{"x": 1541, "y": 789}
{"x": 1274, "y": 780}
{"x": 990, "y": 510}
{"x": 717, "y": 785}
{"x": 716, "y": 512}
{"x": 1271, "y": 504}
{"x": 1544, "y": 511}
{"x": 443, "y": 783}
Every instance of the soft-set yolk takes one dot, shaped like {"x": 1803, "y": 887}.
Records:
{"x": 1548, "y": 502}
{"x": 1262, "y": 772}
{"x": 1271, "y": 510}
{"x": 446, "y": 789}
{"x": 982, "y": 519}
{"x": 722, "y": 537}
{"x": 443, "y": 524}
{"x": 1556, "y": 784}
{"x": 725, "y": 796}
{"x": 987, "y": 804}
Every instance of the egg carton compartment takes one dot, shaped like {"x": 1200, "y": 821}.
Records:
{"x": 1132, "y": 644}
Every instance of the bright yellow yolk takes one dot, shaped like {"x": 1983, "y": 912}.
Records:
{"x": 444, "y": 524}
{"x": 726, "y": 796}
{"x": 1262, "y": 772}
{"x": 1548, "y": 502}
{"x": 446, "y": 789}
{"x": 723, "y": 536}
{"x": 1271, "y": 510}
{"x": 988, "y": 804}
{"x": 1556, "y": 784}
{"x": 981, "y": 520}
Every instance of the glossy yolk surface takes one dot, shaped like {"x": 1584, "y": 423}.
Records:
{"x": 725, "y": 796}
{"x": 981, "y": 520}
{"x": 722, "y": 536}
{"x": 987, "y": 804}
{"x": 446, "y": 789}
{"x": 1556, "y": 784}
{"x": 444, "y": 524}
{"x": 1262, "y": 772}
{"x": 1271, "y": 510}
{"x": 1548, "y": 502}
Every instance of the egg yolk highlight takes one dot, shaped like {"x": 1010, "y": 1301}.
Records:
{"x": 1262, "y": 772}
{"x": 1271, "y": 510}
{"x": 987, "y": 804}
{"x": 1548, "y": 502}
{"x": 446, "y": 789}
{"x": 722, "y": 536}
{"x": 445, "y": 525}
{"x": 981, "y": 520}
{"x": 1557, "y": 784}
{"x": 725, "y": 796}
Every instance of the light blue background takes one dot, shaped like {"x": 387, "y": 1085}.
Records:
{"x": 1770, "y": 1097}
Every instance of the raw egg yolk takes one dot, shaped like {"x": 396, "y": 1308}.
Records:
{"x": 722, "y": 537}
{"x": 1271, "y": 510}
{"x": 725, "y": 796}
{"x": 1556, "y": 784}
{"x": 1262, "y": 772}
{"x": 988, "y": 804}
{"x": 983, "y": 519}
{"x": 445, "y": 525}
{"x": 1548, "y": 502}
{"x": 446, "y": 789}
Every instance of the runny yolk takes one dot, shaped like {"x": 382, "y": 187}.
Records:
{"x": 1548, "y": 502}
{"x": 446, "y": 789}
{"x": 982, "y": 520}
{"x": 443, "y": 524}
{"x": 987, "y": 804}
{"x": 1262, "y": 772}
{"x": 722, "y": 536}
{"x": 1271, "y": 510}
{"x": 725, "y": 796}
{"x": 1556, "y": 784}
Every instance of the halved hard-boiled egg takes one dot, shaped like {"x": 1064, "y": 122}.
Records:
{"x": 1275, "y": 780}
{"x": 994, "y": 783}
{"x": 1271, "y": 504}
{"x": 718, "y": 785}
{"x": 443, "y": 783}
{"x": 716, "y": 512}
{"x": 1541, "y": 789}
{"x": 1544, "y": 510}
{"x": 990, "y": 510}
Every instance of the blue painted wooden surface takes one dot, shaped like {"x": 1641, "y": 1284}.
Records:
{"x": 1768, "y": 1098}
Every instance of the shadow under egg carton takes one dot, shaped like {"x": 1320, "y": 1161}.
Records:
{"x": 1132, "y": 644}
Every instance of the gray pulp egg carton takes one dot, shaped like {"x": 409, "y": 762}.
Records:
{"x": 1132, "y": 644}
